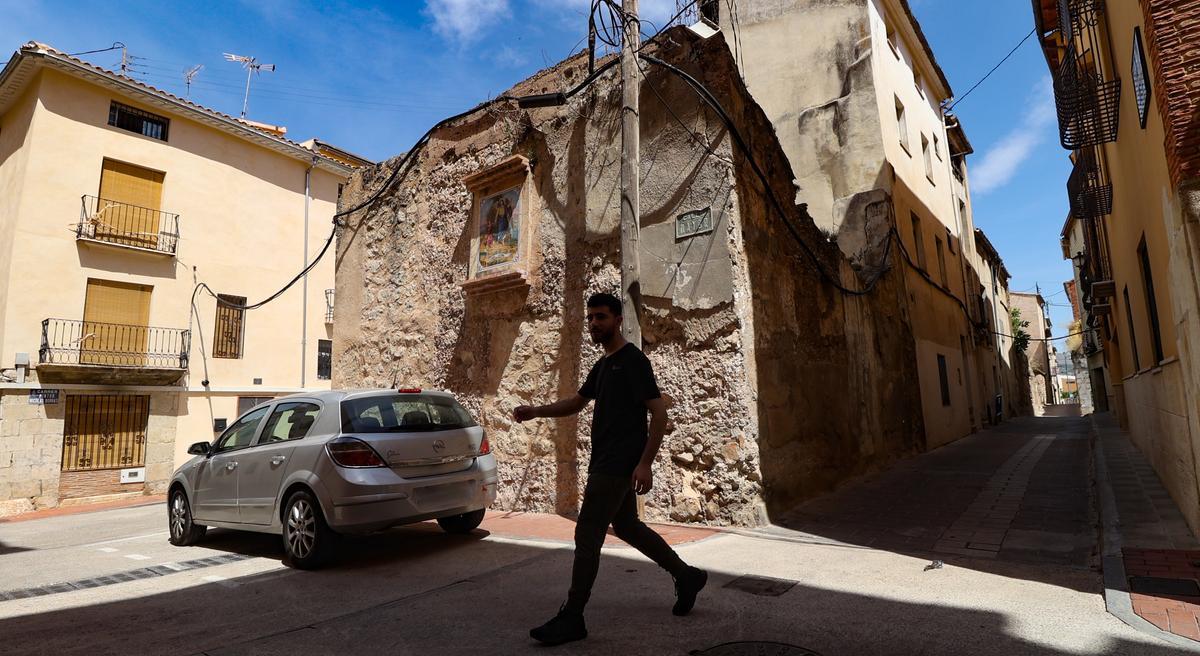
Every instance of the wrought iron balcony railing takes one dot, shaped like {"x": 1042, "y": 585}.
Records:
{"x": 1088, "y": 187}
{"x": 66, "y": 341}
{"x": 1087, "y": 100}
{"x": 112, "y": 222}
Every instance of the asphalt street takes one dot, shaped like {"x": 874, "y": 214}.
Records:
{"x": 109, "y": 583}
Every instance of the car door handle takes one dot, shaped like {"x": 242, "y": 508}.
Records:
{"x": 231, "y": 466}
{"x": 278, "y": 459}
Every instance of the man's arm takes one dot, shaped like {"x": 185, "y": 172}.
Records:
{"x": 643, "y": 476}
{"x": 561, "y": 408}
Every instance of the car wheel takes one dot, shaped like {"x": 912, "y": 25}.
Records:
{"x": 307, "y": 539}
{"x": 464, "y": 523}
{"x": 184, "y": 530}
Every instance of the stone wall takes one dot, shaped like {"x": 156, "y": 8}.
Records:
{"x": 30, "y": 453}
{"x": 31, "y": 449}
{"x": 777, "y": 385}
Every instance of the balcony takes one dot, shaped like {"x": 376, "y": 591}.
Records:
{"x": 128, "y": 226}
{"x": 1088, "y": 187}
{"x": 95, "y": 352}
{"x": 1088, "y": 104}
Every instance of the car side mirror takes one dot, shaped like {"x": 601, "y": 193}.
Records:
{"x": 199, "y": 449}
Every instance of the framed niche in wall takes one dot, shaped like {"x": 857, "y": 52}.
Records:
{"x": 500, "y": 227}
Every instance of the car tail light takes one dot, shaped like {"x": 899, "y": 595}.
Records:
{"x": 484, "y": 447}
{"x": 409, "y": 390}
{"x": 349, "y": 452}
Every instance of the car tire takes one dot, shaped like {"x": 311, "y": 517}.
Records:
{"x": 461, "y": 524}
{"x": 307, "y": 539}
{"x": 183, "y": 529}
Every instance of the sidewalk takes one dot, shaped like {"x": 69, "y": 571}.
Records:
{"x": 77, "y": 509}
{"x": 1151, "y": 559}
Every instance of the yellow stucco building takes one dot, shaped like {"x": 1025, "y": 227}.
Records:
{"x": 1125, "y": 81}
{"x": 116, "y": 200}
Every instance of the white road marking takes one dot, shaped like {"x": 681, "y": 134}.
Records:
{"x": 137, "y": 557}
{"x": 173, "y": 566}
{"x": 108, "y": 550}
{"x": 132, "y": 537}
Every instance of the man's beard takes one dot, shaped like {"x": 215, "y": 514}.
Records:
{"x": 600, "y": 337}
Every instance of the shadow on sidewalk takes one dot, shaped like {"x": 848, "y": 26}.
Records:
{"x": 483, "y": 597}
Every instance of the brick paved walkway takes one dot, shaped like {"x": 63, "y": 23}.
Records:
{"x": 1016, "y": 492}
{"x": 1161, "y": 555}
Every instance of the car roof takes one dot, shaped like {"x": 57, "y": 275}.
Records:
{"x": 333, "y": 396}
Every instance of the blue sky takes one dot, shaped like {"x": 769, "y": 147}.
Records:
{"x": 371, "y": 77}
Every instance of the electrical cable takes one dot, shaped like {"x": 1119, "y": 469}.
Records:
{"x": 989, "y": 73}
{"x": 404, "y": 163}
{"x": 117, "y": 45}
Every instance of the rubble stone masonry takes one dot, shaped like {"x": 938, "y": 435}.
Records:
{"x": 777, "y": 385}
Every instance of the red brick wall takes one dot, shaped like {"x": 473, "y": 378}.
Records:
{"x": 1173, "y": 38}
{"x": 1074, "y": 297}
{"x": 72, "y": 485}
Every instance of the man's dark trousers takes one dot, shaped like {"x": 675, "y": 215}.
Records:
{"x": 610, "y": 499}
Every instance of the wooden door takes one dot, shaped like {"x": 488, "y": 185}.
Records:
{"x": 116, "y": 316}
{"x": 128, "y": 208}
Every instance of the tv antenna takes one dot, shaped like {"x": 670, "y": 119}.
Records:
{"x": 252, "y": 66}
{"x": 189, "y": 75}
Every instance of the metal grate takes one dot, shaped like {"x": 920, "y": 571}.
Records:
{"x": 227, "y": 337}
{"x": 139, "y": 121}
{"x": 754, "y": 648}
{"x": 66, "y": 341}
{"x": 1087, "y": 93}
{"x": 112, "y": 222}
{"x": 105, "y": 432}
{"x": 1088, "y": 107}
{"x": 1088, "y": 187}
{"x": 764, "y": 586}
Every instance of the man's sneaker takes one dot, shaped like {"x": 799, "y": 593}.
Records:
{"x": 567, "y": 626}
{"x": 686, "y": 588}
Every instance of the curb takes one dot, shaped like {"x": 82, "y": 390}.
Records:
{"x": 82, "y": 508}
{"x": 1112, "y": 557}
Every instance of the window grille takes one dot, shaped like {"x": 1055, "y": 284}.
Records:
{"x": 139, "y": 121}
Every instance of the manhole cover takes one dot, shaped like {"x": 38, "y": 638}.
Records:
{"x": 1154, "y": 585}
{"x": 755, "y": 649}
{"x": 761, "y": 585}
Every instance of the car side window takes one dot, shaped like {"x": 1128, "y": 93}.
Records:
{"x": 290, "y": 421}
{"x": 241, "y": 433}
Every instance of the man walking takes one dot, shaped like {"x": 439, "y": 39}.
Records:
{"x": 623, "y": 448}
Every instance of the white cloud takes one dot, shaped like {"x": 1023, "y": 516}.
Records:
{"x": 1000, "y": 163}
{"x": 463, "y": 20}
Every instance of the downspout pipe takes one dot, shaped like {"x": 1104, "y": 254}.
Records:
{"x": 304, "y": 282}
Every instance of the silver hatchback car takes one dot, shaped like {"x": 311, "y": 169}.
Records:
{"x": 311, "y": 466}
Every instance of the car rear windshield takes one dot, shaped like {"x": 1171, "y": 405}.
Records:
{"x": 403, "y": 413}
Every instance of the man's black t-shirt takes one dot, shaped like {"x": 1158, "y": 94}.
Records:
{"x": 621, "y": 384}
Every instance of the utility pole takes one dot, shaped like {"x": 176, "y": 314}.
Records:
{"x": 631, "y": 291}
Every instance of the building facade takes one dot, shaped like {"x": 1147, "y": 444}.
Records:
{"x": 1126, "y": 89}
{"x": 858, "y": 106}
{"x": 116, "y": 200}
{"x": 1042, "y": 369}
